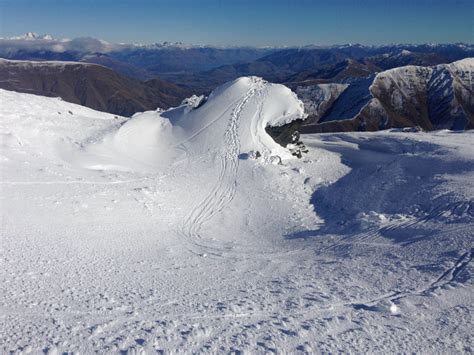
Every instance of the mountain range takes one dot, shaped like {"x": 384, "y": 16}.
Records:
{"x": 190, "y": 64}
{"x": 135, "y": 60}
{"x": 311, "y": 65}
{"x": 344, "y": 87}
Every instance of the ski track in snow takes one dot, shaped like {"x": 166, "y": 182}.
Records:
{"x": 225, "y": 187}
{"x": 448, "y": 277}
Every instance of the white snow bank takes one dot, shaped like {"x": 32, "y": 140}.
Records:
{"x": 49, "y": 127}
{"x": 147, "y": 140}
{"x": 234, "y": 115}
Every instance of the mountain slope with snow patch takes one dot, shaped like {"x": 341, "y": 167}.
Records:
{"x": 439, "y": 97}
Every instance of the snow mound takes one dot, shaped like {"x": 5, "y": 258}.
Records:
{"x": 232, "y": 119}
{"x": 146, "y": 140}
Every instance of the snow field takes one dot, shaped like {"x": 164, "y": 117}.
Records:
{"x": 151, "y": 234}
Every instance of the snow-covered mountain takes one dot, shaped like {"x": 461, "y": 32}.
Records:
{"x": 439, "y": 97}
{"x": 203, "y": 67}
{"x": 191, "y": 230}
{"x": 319, "y": 98}
{"x": 316, "y": 65}
{"x": 31, "y": 36}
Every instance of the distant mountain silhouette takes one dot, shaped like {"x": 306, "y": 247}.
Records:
{"x": 91, "y": 85}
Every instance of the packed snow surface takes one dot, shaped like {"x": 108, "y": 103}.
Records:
{"x": 158, "y": 233}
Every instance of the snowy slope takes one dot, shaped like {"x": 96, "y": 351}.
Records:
{"x": 156, "y": 233}
{"x": 351, "y": 101}
{"x": 44, "y": 127}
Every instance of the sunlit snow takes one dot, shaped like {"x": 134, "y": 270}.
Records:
{"x": 158, "y": 233}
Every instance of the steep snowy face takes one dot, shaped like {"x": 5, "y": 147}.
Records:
{"x": 443, "y": 106}
{"x": 401, "y": 84}
{"x": 351, "y": 101}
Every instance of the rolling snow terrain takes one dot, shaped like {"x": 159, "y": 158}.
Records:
{"x": 165, "y": 232}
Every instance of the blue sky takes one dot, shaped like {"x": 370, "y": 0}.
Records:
{"x": 245, "y": 22}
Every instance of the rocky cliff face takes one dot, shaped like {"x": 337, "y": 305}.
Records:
{"x": 319, "y": 98}
{"x": 439, "y": 97}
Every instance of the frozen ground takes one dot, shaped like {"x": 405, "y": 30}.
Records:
{"x": 158, "y": 234}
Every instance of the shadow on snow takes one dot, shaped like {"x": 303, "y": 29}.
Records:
{"x": 390, "y": 176}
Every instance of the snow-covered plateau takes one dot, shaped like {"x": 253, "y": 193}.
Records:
{"x": 167, "y": 232}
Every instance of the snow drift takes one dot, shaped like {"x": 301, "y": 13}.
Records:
{"x": 232, "y": 119}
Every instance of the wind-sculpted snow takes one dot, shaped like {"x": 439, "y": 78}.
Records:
{"x": 224, "y": 191}
{"x": 157, "y": 139}
{"x": 158, "y": 234}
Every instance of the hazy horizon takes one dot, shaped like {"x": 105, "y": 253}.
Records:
{"x": 243, "y": 45}
{"x": 244, "y": 23}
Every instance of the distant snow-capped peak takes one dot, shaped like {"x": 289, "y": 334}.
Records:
{"x": 31, "y": 36}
